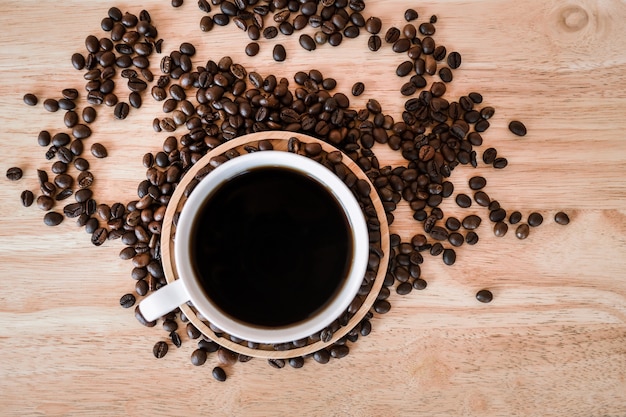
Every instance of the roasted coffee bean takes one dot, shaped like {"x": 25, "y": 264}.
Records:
{"x": 198, "y": 357}
{"x": 297, "y": 362}
{"x": 192, "y": 331}
{"x": 471, "y": 222}
{"x": 89, "y": 114}
{"x": 14, "y": 173}
{"x": 463, "y": 200}
{"x": 27, "y": 197}
{"x": 471, "y": 238}
{"x": 322, "y": 356}
{"x": 449, "y": 256}
{"x": 454, "y": 60}
{"x": 535, "y": 219}
{"x": 121, "y": 110}
{"x": 392, "y": 34}
{"x": 226, "y": 357}
{"x": 44, "y": 138}
{"x": 99, "y": 236}
{"x": 561, "y": 218}
{"x": 500, "y": 163}
{"x": 489, "y": 156}
{"x": 497, "y": 215}
{"x": 30, "y": 99}
{"x": 522, "y": 231}
{"x": 63, "y": 194}
{"x": 52, "y": 218}
{"x": 127, "y": 300}
{"x": 51, "y": 105}
{"x": 515, "y": 217}
{"x": 484, "y": 296}
{"x": 44, "y": 202}
{"x": 98, "y": 150}
{"x": 410, "y": 15}
{"x": 500, "y": 229}
{"x": 252, "y": 49}
{"x": 482, "y": 198}
{"x": 276, "y": 363}
{"x": 382, "y": 306}
{"x": 373, "y": 25}
{"x": 456, "y": 239}
{"x": 279, "y": 53}
{"x": 439, "y": 233}
{"x": 517, "y": 128}
{"x": 219, "y": 374}
{"x": 307, "y": 42}
{"x": 477, "y": 183}
{"x": 78, "y": 61}
{"x": 374, "y": 43}
{"x": 160, "y": 349}
{"x": 404, "y": 288}
{"x": 358, "y": 88}
{"x": 339, "y": 351}
{"x": 81, "y": 131}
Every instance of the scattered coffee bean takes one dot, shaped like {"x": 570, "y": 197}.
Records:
{"x": 463, "y": 200}
{"x": 219, "y": 374}
{"x": 535, "y": 219}
{"x": 199, "y": 357}
{"x": 561, "y": 218}
{"x": 160, "y": 349}
{"x": 51, "y": 105}
{"x": 14, "y": 173}
{"x": 517, "y": 128}
{"x": 127, "y": 300}
{"x": 98, "y": 150}
{"x": 410, "y": 15}
{"x": 449, "y": 256}
{"x": 226, "y": 357}
{"x": 31, "y": 99}
{"x": 121, "y": 110}
{"x": 27, "y": 197}
{"x": 500, "y": 229}
{"x": 279, "y": 53}
{"x": 522, "y": 231}
{"x": 477, "y": 183}
{"x": 515, "y": 217}
{"x": 484, "y": 296}
{"x": 52, "y": 218}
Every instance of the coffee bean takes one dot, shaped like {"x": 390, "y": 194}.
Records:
{"x": 276, "y": 363}
{"x": 121, "y": 110}
{"x": 160, "y": 349}
{"x": 373, "y": 25}
{"x": 52, "y": 218}
{"x": 497, "y": 215}
{"x": 449, "y": 256}
{"x": 374, "y": 43}
{"x": 463, "y": 200}
{"x": 252, "y": 49}
{"x": 340, "y": 351}
{"x": 99, "y": 236}
{"x": 500, "y": 229}
{"x": 279, "y": 53}
{"x": 500, "y": 163}
{"x": 127, "y": 300}
{"x": 382, "y": 306}
{"x": 307, "y": 42}
{"x": 561, "y": 218}
{"x": 198, "y": 357}
{"x": 515, "y": 217}
{"x": 471, "y": 238}
{"x": 170, "y": 325}
{"x": 14, "y": 173}
{"x": 439, "y": 233}
{"x": 392, "y": 34}
{"x": 89, "y": 114}
{"x": 322, "y": 356}
{"x": 358, "y": 88}
{"x": 484, "y": 296}
{"x": 482, "y": 198}
{"x": 27, "y": 197}
{"x": 403, "y": 288}
{"x": 489, "y": 156}
{"x": 98, "y": 150}
{"x": 410, "y": 15}
{"x": 477, "y": 183}
{"x": 30, "y": 99}
{"x": 517, "y": 128}
{"x": 297, "y": 362}
{"x": 176, "y": 340}
{"x": 81, "y": 131}
{"x": 219, "y": 374}
{"x": 535, "y": 219}
{"x": 522, "y": 231}
{"x": 471, "y": 222}
{"x": 51, "y": 105}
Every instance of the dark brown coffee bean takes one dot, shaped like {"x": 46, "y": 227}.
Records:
{"x": 449, "y": 256}
{"x": 404, "y": 288}
{"x": 51, "y": 105}
{"x": 489, "y": 156}
{"x": 252, "y": 49}
{"x": 297, "y": 362}
{"x": 517, "y": 128}
{"x": 382, "y": 306}
{"x": 219, "y": 374}
{"x": 500, "y": 229}
{"x": 52, "y": 218}
{"x": 339, "y": 351}
{"x": 373, "y": 25}
{"x": 497, "y": 215}
{"x": 121, "y": 110}
{"x": 471, "y": 222}
{"x": 322, "y": 356}
{"x": 535, "y": 219}
{"x": 522, "y": 231}
{"x": 98, "y": 150}
{"x": 99, "y": 236}
{"x": 410, "y": 15}
{"x": 392, "y": 34}
{"x": 127, "y": 300}
{"x": 456, "y": 239}
{"x": 226, "y": 357}
{"x": 136, "y": 84}
{"x": 307, "y": 42}
{"x": 27, "y": 197}
{"x": 78, "y": 61}
{"x": 500, "y": 163}
{"x": 198, "y": 357}
{"x": 439, "y": 233}
{"x": 30, "y": 99}
{"x": 14, "y": 173}
{"x": 276, "y": 363}
{"x": 482, "y": 198}
{"x": 160, "y": 349}
{"x": 471, "y": 238}
{"x": 454, "y": 60}
{"x": 81, "y": 131}
{"x": 89, "y": 114}
{"x": 484, "y": 296}
{"x": 477, "y": 183}
{"x": 463, "y": 200}
{"x": 374, "y": 43}
{"x": 515, "y": 217}
{"x": 561, "y": 218}
{"x": 279, "y": 53}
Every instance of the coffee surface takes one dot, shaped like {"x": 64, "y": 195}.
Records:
{"x": 271, "y": 247}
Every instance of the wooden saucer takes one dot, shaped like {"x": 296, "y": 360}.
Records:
{"x": 279, "y": 140}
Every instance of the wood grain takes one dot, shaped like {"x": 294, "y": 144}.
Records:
{"x": 552, "y": 343}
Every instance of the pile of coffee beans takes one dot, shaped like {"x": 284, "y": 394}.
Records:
{"x": 209, "y": 102}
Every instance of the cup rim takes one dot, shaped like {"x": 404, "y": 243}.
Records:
{"x": 341, "y": 300}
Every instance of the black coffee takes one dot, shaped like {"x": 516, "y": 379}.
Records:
{"x": 271, "y": 247}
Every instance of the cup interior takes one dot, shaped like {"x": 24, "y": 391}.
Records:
{"x": 336, "y": 304}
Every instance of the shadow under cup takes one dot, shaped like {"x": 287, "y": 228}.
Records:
{"x": 271, "y": 246}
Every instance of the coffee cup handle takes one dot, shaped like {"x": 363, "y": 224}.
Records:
{"x": 166, "y": 299}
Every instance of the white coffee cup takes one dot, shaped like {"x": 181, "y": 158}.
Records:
{"x": 187, "y": 288}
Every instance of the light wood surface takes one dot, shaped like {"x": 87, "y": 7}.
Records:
{"x": 553, "y": 341}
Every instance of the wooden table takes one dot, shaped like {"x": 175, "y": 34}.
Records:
{"x": 552, "y": 342}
